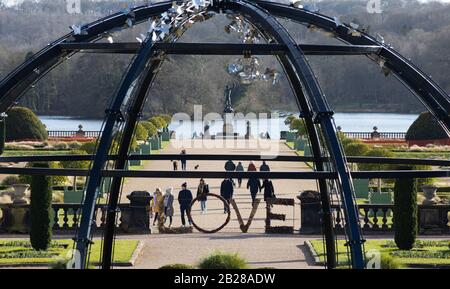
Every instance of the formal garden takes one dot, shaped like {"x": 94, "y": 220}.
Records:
{"x": 406, "y": 201}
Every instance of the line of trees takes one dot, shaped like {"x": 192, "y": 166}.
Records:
{"x": 85, "y": 84}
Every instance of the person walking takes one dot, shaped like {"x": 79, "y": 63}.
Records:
{"x": 264, "y": 167}
{"x": 269, "y": 191}
{"x": 168, "y": 206}
{"x": 157, "y": 204}
{"x": 226, "y": 192}
{"x": 240, "y": 168}
{"x": 254, "y": 185}
{"x": 175, "y": 165}
{"x": 251, "y": 167}
{"x": 185, "y": 200}
{"x": 183, "y": 160}
{"x": 202, "y": 195}
{"x": 230, "y": 167}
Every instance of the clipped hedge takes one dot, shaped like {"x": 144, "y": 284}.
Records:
{"x": 41, "y": 210}
{"x": 177, "y": 267}
{"x": 425, "y": 127}
{"x": 219, "y": 260}
{"x": 23, "y": 124}
{"x": 405, "y": 212}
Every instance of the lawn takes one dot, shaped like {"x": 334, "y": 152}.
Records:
{"x": 423, "y": 155}
{"x": 19, "y": 252}
{"x": 13, "y": 153}
{"x": 425, "y": 252}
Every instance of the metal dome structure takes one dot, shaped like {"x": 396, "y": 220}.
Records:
{"x": 168, "y": 22}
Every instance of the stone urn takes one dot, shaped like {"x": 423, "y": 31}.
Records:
{"x": 430, "y": 195}
{"x": 19, "y": 193}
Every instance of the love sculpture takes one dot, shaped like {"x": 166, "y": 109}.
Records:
{"x": 244, "y": 227}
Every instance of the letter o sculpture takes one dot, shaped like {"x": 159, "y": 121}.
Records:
{"x": 217, "y": 229}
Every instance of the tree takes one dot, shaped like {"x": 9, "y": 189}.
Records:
{"x": 40, "y": 210}
{"x": 405, "y": 212}
{"x": 167, "y": 118}
{"x": 23, "y": 124}
{"x": 156, "y": 122}
{"x": 150, "y": 127}
{"x": 141, "y": 132}
{"x": 298, "y": 126}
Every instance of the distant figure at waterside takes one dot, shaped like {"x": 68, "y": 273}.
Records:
{"x": 264, "y": 167}
{"x": 183, "y": 160}
{"x": 269, "y": 191}
{"x": 254, "y": 185}
{"x": 252, "y": 167}
{"x": 202, "y": 192}
{"x": 157, "y": 204}
{"x": 240, "y": 168}
{"x": 185, "y": 199}
{"x": 226, "y": 192}
{"x": 168, "y": 206}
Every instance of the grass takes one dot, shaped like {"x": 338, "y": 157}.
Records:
{"x": 12, "y": 153}
{"x": 422, "y": 155}
{"x": 425, "y": 252}
{"x": 19, "y": 252}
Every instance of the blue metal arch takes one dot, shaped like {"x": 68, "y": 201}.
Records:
{"x": 434, "y": 98}
{"x": 16, "y": 83}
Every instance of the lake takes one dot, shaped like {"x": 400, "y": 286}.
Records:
{"x": 355, "y": 122}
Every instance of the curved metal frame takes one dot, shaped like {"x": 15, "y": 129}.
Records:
{"x": 318, "y": 115}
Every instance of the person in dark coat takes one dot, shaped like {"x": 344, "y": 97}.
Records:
{"x": 230, "y": 167}
{"x": 254, "y": 185}
{"x": 269, "y": 191}
{"x": 183, "y": 160}
{"x": 202, "y": 192}
{"x": 185, "y": 199}
{"x": 240, "y": 168}
{"x": 226, "y": 192}
{"x": 264, "y": 167}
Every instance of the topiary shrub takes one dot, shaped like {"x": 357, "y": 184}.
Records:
{"x": 425, "y": 127}
{"x": 356, "y": 149}
{"x": 167, "y": 118}
{"x": 141, "y": 132}
{"x": 405, "y": 212}
{"x": 23, "y": 124}
{"x": 40, "y": 210}
{"x": 177, "y": 267}
{"x": 150, "y": 127}
{"x": 219, "y": 260}
{"x": 156, "y": 122}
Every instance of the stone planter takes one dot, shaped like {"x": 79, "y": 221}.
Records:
{"x": 430, "y": 195}
{"x": 19, "y": 193}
